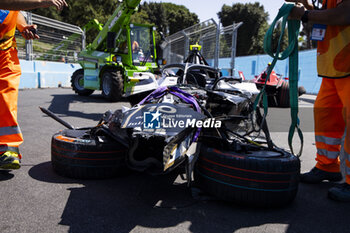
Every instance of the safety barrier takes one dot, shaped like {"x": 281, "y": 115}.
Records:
{"x": 254, "y": 65}
{"x": 44, "y": 74}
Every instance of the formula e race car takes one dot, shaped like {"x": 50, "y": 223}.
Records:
{"x": 277, "y": 88}
{"x": 181, "y": 127}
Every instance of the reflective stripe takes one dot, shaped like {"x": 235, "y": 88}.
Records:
{"x": 346, "y": 155}
{"x": 9, "y": 130}
{"x": 328, "y": 140}
{"x": 328, "y": 154}
{"x": 4, "y": 148}
{"x": 347, "y": 170}
{"x": 347, "y": 167}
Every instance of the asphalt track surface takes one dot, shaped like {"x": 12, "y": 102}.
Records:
{"x": 35, "y": 199}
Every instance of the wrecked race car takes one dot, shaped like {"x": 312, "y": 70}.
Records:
{"x": 223, "y": 96}
{"x": 172, "y": 128}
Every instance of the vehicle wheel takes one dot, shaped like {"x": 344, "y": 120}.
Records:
{"x": 77, "y": 83}
{"x": 271, "y": 101}
{"x": 112, "y": 85}
{"x": 283, "y": 95}
{"x": 260, "y": 178}
{"x": 75, "y": 154}
{"x": 301, "y": 90}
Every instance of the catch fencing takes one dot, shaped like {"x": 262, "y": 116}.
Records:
{"x": 61, "y": 42}
{"x": 58, "y": 41}
{"x": 216, "y": 43}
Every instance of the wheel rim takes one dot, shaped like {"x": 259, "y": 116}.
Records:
{"x": 106, "y": 84}
{"x": 79, "y": 82}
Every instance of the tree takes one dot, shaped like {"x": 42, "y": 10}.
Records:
{"x": 276, "y": 36}
{"x": 167, "y": 17}
{"x": 305, "y": 37}
{"x": 179, "y": 17}
{"x": 251, "y": 33}
{"x": 81, "y": 12}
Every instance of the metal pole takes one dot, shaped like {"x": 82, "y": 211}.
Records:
{"x": 217, "y": 45}
{"x": 234, "y": 46}
{"x": 187, "y": 44}
{"x": 29, "y": 43}
{"x": 169, "y": 58}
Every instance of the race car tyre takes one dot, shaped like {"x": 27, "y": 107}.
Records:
{"x": 283, "y": 95}
{"x": 77, "y": 83}
{"x": 301, "y": 90}
{"x": 271, "y": 101}
{"x": 259, "y": 179}
{"x": 80, "y": 157}
{"x": 112, "y": 85}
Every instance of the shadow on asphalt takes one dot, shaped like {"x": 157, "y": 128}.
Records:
{"x": 5, "y": 175}
{"x": 307, "y": 100}
{"x": 157, "y": 202}
{"x": 60, "y": 105}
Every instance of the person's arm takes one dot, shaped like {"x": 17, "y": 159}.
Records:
{"x": 305, "y": 3}
{"x": 335, "y": 16}
{"x": 31, "y": 4}
{"x": 25, "y": 29}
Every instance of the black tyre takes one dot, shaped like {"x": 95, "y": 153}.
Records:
{"x": 301, "y": 90}
{"x": 263, "y": 179}
{"x": 283, "y": 95}
{"x": 75, "y": 154}
{"x": 77, "y": 83}
{"x": 112, "y": 85}
{"x": 271, "y": 101}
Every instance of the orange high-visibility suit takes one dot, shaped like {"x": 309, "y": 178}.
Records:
{"x": 332, "y": 105}
{"x": 10, "y": 72}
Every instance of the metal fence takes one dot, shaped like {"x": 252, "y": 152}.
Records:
{"x": 58, "y": 41}
{"x": 216, "y": 43}
{"x": 228, "y": 45}
{"x": 176, "y": 47}
{"x": 62, "y": 42}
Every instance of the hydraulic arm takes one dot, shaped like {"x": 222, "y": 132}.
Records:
{"x": 119, "y": 19}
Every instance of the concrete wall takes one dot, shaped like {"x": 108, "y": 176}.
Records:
{"x": 42, "y": 74}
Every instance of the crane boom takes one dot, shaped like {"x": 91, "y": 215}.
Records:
{"x": 120, "y": 17}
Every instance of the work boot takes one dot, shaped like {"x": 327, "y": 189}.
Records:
{"x": 316, "y": 176}
{"x": 9, "y": 161}
{"x": 340, "y": 192}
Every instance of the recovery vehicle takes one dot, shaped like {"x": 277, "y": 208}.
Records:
{"x": 121, "y": 59}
